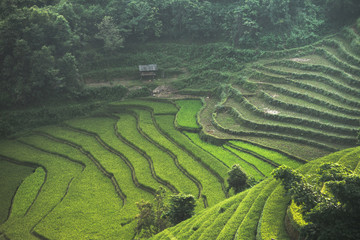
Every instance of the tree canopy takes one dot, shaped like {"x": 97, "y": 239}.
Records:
{"x": 42, "y": 41}
{"x": 329, "y": 200}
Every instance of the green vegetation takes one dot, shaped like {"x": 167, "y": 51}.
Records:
{"x": 256, "y": 213}
{"x": 186, "y": 118}
{"x": 253, "y": 84}
{"x": 13, "y": 175}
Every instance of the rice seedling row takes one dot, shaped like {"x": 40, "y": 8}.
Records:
{"x": 271, "y": 224}
{"x": 87, "y": 129}
{"x": 342, "y": 51}
{"x": 255, "y": 154}
{"x": 311, "y": 92}
{"x": 92, "y": 194}
{"x": 110, "y": 161}
{"x": 13, "y": 174}
{"x": 228, "y": 231}
{"x": 147, "y": 157}
{"x": 239, "y": 130}
{"x": 293, "y": 105}
{"x": 99, "y": 166}
{"x": 272, "y": 154}
{"x": 313, "y": 98}
{"x": 337, "y": 62}
{"x": 349, "y": 79}
{"x": 59, "y": 176}
{"x": 166, "y": 164}
{"x": 186, "y": 118}
{"x": 196, "y": 160}
{"x": 249, "y": 224}
{"x": 303, "y": 101}
{"x": 219, "y": 152}
{"x": 26, "y": 193}
{"x": 339, "y": 86}
{"x": 210, "y": 183}
{"x": 260, "y": 105}
{"x": 168, "y": 130}
{"x": 159, "y": 106}
{"x": 264, "y": 110}
{"x": 265, "y": 167}
{"x": 107, "y": 131}
{"x": 268, "y": 126}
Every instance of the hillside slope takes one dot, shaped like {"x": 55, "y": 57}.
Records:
{"x": 303, "y": 101}
{"x": 257, "y": 213}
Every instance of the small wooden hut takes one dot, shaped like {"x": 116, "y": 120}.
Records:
{"x": 148, "y": 70}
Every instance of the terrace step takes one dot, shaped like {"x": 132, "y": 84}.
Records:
{"x": 98, "y": 165}
{"x": 253, "y": 154}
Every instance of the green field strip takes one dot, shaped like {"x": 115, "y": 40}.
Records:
{"x": 148, "y": 130}
{"x": 42, "y": 235}
{"x": 312, "y": 97}
{"x": 200, "y": 223}
{"x": 341, "y": 51}
{"x": 167, "y": 167}
{"x": 274, "y": 156}
{"x": 109, "y": 160}
{"x": 100, "y": 128}
{"x": 214, "y": 132}
{"x": 212, "y": 185}
{"x": 234, "y": 128}
{"x": 160, "y": 144}
{"x": 27, "y": 140}
{"x": 151, "y": 129}
{"x": 293, "y": 104}
{"x": 313, "y": 92}
{"x": 146, "y": 156}
{"x": 337, "y": 62}
{"x": 59, "y": 175}
{"x": 301, "y": 99}
{"x": 141, "y": 167}
{"x": 12, "y": 176}
{"x": 267, "y": 125}
{"x": 263, "y": 166}
{"x": 98, "y": 165}
{"x": 224, "y": 155}
{"x": 216, "y": 168}
{"x": 217, "y": 224}
{"x": 271, "y": 224}
{"x": 350, "y": 80}
{"x": 330, "y": 83}
{"x": 195, "y": 160}
{"x": 93, "y": 196}
{"x": 261, "y": 107}
{"x": 217, "y": 152}
{"x": 229, "y": 228}
{"x": 157, "y": 105}
{"x": 255, "y": 154}
{"x": 186, "y": 118}
{"x": 248, "y": 227}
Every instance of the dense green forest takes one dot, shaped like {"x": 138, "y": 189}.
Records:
{"x": 44, "y": 43}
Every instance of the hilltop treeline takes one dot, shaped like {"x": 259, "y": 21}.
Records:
{"x": 40, "y": 41}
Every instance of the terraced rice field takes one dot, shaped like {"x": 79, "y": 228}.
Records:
{"x": 257, "y": 213}
{"x": 306, "y": 103}
{"x": 81, "y": 179}
{"x": 90, "y": 172}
